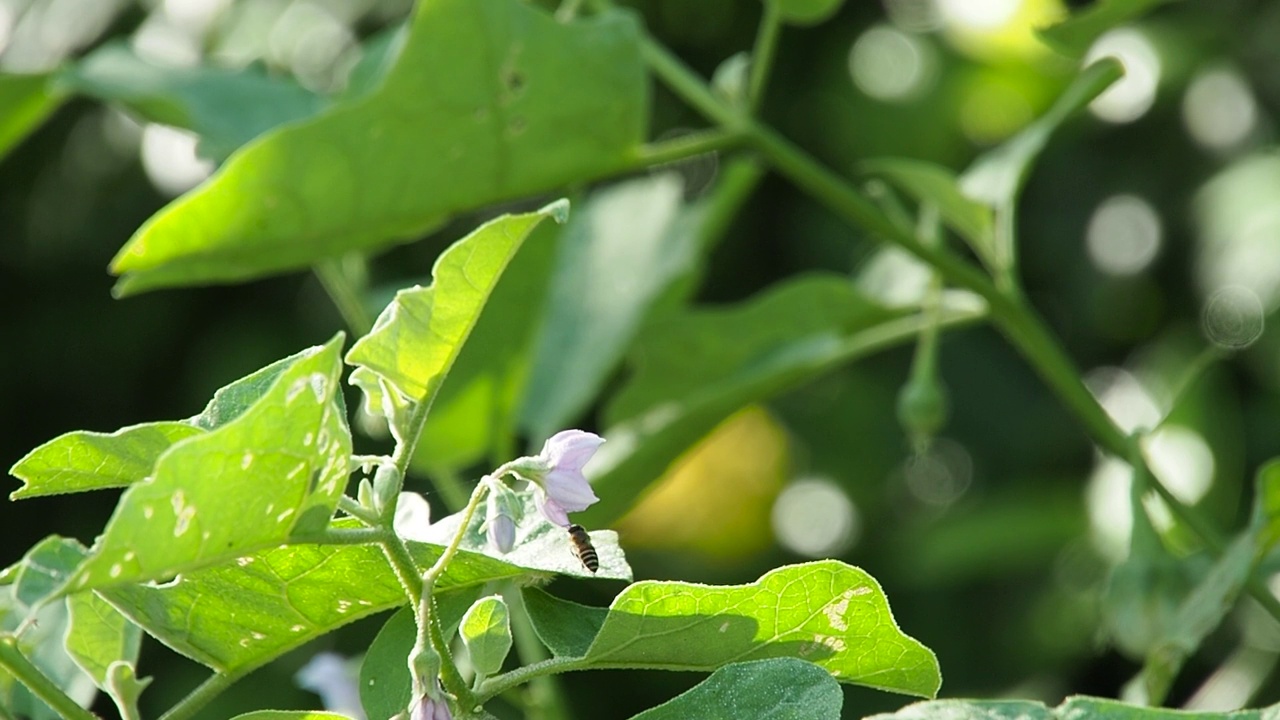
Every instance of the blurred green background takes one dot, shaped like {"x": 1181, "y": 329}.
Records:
{"x": 1149, "y": 234}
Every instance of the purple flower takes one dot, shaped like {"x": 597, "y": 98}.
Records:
{"x": 562, "y": 487}
{"x": 428, "y": 709}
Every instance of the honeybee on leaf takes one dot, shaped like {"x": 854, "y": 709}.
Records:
{"x": 583, "y": 548}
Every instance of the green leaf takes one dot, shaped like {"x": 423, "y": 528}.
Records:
{"x": 45, "y": 568}
{"x": 1266, "y": 507}
{"x": 1074, "y": 708}
{"x": 41, "y": 571}
{"x": 997, "y": 176}
{"x": 25, "y": 102}
{"x": 773, "y": 689}
{"x": 82, "y": 460}
{"x": 619, "y": 253}
{"x": 246, "y": 612}
{"x": 419, "y": 335}
{"x": 486, "y": 632}
{"x": 489, "y": 100}
{"x": 698, "y": 368}
{"x": 385, "y": 684}
{"x": 231, "y": 401}
{"x": 100, "y": 636}
{"x": 806, "y": 12}
{"x": 1199, "y": 614}
{"x": 826, "y": 612}
{"x": 1075, "y": 35}
{"x": 194, "y": 98}
{"x": 566, "y": 628}
{"x": 275, "y": 470}
{"x": 539, "y": 545}
{"x": 474, "y": 413}
{"x": 927, "y": 182}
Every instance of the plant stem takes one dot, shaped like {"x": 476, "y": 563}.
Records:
{"x": 686, "y": 146}
{"x": 762, "y": 55}
{"x": 546, "y": 699}
{"x": 352, "y": 507}
{"x": 345, "y": 295}
{"x": 1009, "y": 311}
{"x": 17, "y": 665}
{"x": 198, "y": 698}
{"x": 501, "y": 683}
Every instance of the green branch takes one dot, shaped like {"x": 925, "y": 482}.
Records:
{"x": 207, "y": 691}
{"x": 17, "y": 665}
{"x": 1009, "y": 311}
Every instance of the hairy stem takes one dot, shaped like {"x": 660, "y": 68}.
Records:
{"x": 18, "y": 666}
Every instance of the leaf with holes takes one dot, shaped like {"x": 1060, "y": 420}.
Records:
{"x": 275, "y": 470}
{"x": 488, "y": 100}
{"x": 243, "y": 613}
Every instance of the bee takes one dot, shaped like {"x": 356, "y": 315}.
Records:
{"x": 583, "y": 548}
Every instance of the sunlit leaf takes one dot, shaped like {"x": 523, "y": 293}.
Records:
{"x": 936, "y": 184}
{"x": 194, "y": 98}
{"x": 486, "y": 632}
{"x": 418, "y": 337}
{"x": 230, "y": 401}
{"x": 82, "y": 460}
{"x": 773, "y": 689}
{"x": 99, "y": 636}
{"x": 825, "y": 612}
{"x": 1074, "y": 708}
{"x": 277, "y": 468}
{"x": 698, "y": 368}
{"x": 25, "y": 102}
{"x": 488, "y": 100}
{"x": 998, "y": 175}
{"x": 243, "y": 613}
{"x": 1075, "y": 35}
{"x": 36, "y": 576}
{"x": 475, "y": 411}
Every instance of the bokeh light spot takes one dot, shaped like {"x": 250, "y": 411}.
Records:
{"x": 1233, "y": 317}
{"x": 1128, "y": 403}
{"x": 815, "y": 518}
{"x": 890, "y": 65}
{"x": 169, "y": 159}
{"x": 1219, "y": 109}
{"x": 941, "y": 475}
{"x": 1130, "y": 97}
{"x": 1123, "y": 235}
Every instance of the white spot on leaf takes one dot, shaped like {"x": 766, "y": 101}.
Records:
{"x": 116, "y": 569}
{"x": 246, "y": 461}
{"x": 183, "y": 522}
{"x": 836, "y": 609}
{"x": 284, "y": 515}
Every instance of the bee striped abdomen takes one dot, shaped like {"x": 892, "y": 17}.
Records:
{"x": 583, "y": 548}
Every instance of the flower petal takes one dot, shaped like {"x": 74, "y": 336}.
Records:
{"x": 570, "y": 449}
{"x": 552, "y": 510}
